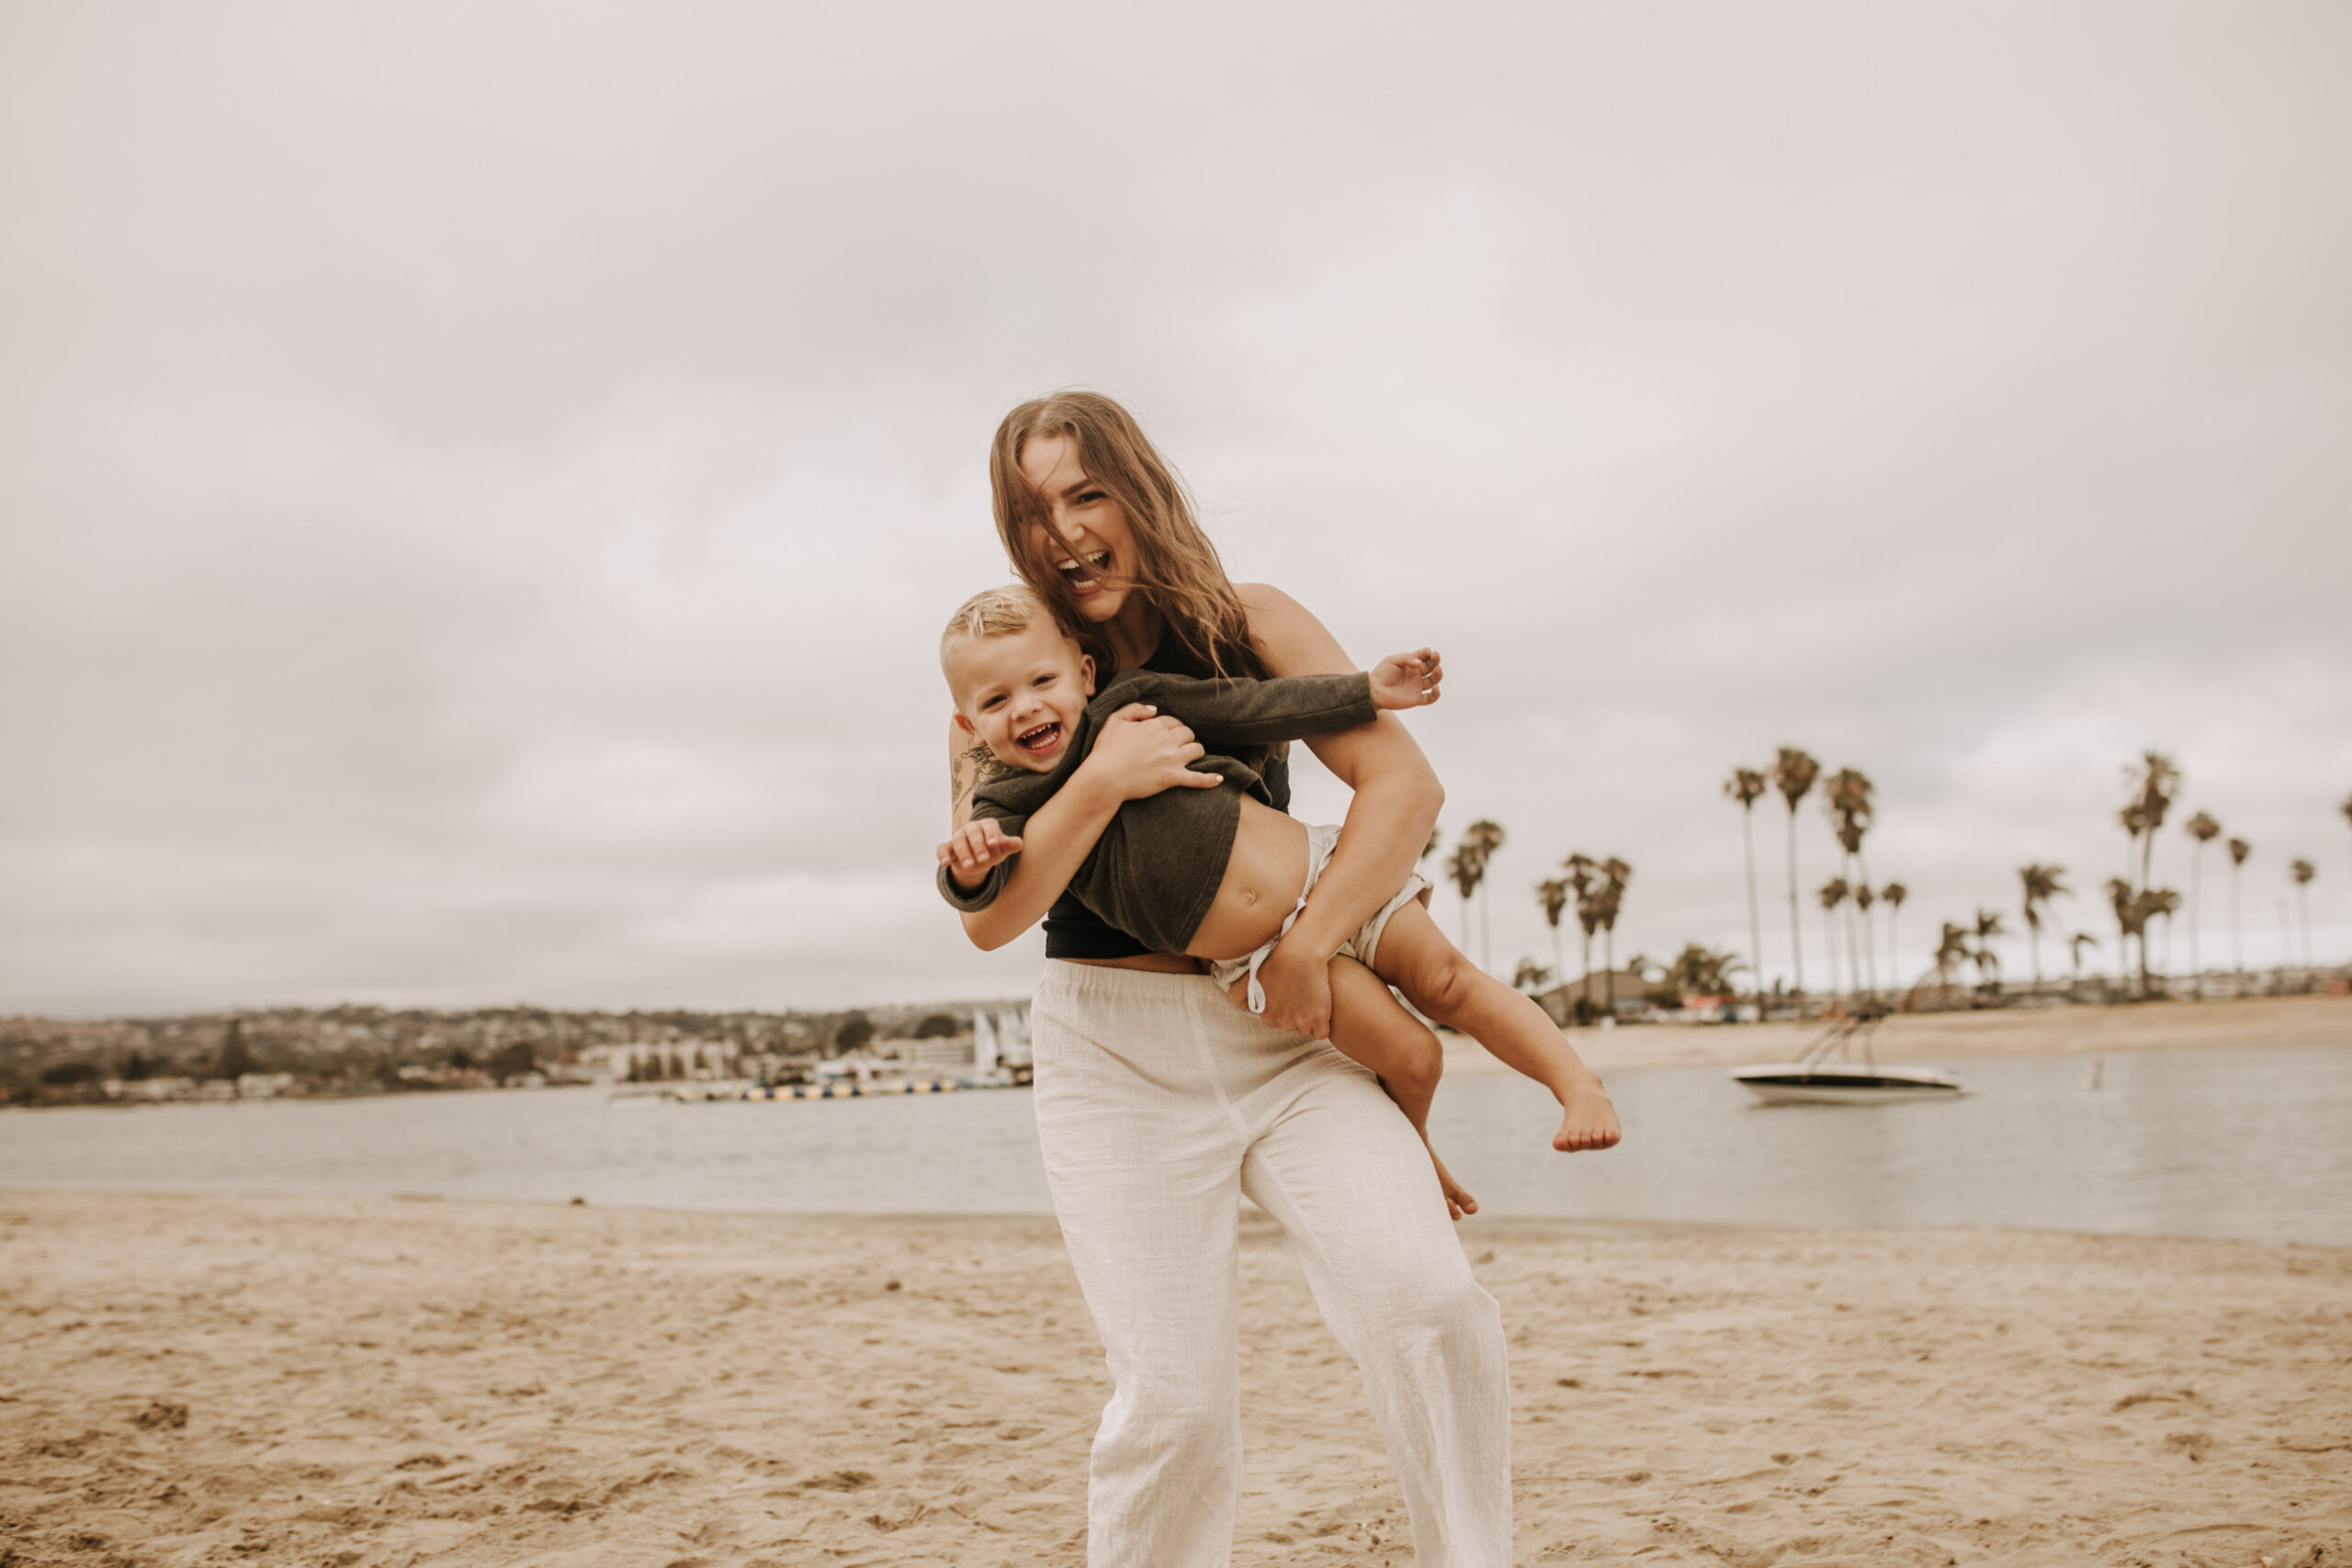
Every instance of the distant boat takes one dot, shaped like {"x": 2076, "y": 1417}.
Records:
{"x": 1814, "y": 1079}
{"x": 1843, "y": 1083}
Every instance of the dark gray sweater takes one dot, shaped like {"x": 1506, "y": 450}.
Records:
{"x": 1157, "y": 867}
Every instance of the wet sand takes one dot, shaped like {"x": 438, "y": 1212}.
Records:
{"x": 194, "y": 1380}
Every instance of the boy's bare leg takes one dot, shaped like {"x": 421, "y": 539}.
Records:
{"x": 1367, "y": 1026}
{"x": 1415, "y": 957}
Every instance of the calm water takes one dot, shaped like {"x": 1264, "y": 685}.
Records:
{"x": 2256, "y": 1145}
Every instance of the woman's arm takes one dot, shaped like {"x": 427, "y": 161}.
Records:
{"x": 1397, "y": 797}
{"x": 1138, "y": 752}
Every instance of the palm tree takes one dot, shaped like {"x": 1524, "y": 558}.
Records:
{"x": 2303, "y": 870}
{"x": 2043, "y": 883}
{"x": 1832, "y": 893}
{"x": 1489, "y": 838}
{"x": 1588, "y": 909}
{"x": 2130, "y": 920}
{"x": 1746, "y": 785}
{"x": 1792, "y": 774}
{"x": 1531, "y": 975}
{"x": 1465, "y": 868}
{"x": 1894, "y": 893}
{"x": 1639, "y": 966}
{"x": 2155, "y": 778}
{"x": 2347, "y": 809}
{"x": 2239, "y": 849}
{"x": 1863, "y": 899}
{"x": 1583, "y": 878}
{"x": 2076, "y": 943}
{"x": 1951, "y": 949}
{"x": 1614, "y": 874}
{"x": 1848, "y": 796}
{"x": 2164, "y": 901}
{"x": 2204, "y": 829}
{"x": 1430, "y": 849}
{"x": 1552, "y": 894}
{"x": 1702, "y": 971}
{"x": 1988, "y": 926}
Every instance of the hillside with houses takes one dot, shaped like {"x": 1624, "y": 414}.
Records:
{"x": 351, "y": 1050}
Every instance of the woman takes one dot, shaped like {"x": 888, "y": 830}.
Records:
{"x": 1159, "y": 1103}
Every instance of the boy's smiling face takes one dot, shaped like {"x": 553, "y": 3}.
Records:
{"x": 1021, "y": 695}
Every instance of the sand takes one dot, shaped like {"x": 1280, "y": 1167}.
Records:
{"x": 1944, "y": 1037}
{"x": 357, "y": 1382}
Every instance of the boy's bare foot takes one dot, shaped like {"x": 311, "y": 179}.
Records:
{"x": 1587, "y": 1121}
{"x": 1458, "y": 1200}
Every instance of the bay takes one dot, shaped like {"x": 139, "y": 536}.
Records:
{"x": 2244, "y": 1143}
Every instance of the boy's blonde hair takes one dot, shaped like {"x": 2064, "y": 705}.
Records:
{"x": 993, "y": 612}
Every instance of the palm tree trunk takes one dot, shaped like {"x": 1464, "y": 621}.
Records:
{"x": 1587, "y": 968}
{"x": 1859, "y": 922}
{"x": 1609, "y": 958}
{"x": 1869, "y": 933}
{"x": 1560, "y": 964}
{"x": 2237, "y": 945}
{"x": 2196, "y": 914}
{"x": 2033, "y": 941}
{"x": 1754, "y": 926}
{"x": 1829, "y": 938}
{"x": 1486, "y": 927}
{"x": 1796, "y": 941}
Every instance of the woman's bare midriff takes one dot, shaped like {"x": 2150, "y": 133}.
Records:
{"x": 1157, "y": 962}
{"x": 1263, "y": 878}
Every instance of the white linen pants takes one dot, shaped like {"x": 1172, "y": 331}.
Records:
{"x": 1159, "y": 1104}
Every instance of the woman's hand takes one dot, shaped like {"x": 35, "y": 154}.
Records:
{"x": 1297, "y": 983}
{"x": 1407, "y": 679}
{"x": 1142, "y": 752}
{"x": 972, "y": 849}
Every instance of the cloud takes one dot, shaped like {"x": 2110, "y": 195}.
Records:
{"x": 479, "y": 493}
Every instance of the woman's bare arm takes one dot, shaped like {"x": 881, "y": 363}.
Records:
{"x": 1137, "y": 753}
{"x": 1396, "y": 803}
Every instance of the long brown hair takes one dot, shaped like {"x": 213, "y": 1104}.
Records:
{"x": 1176, "y": 567}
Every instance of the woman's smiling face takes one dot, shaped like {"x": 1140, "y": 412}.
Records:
{"x": 1094, "y": 523}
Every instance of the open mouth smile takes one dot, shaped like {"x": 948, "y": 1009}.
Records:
{"x": 1042, "y": 739}
{"x": 1098, "y": 563}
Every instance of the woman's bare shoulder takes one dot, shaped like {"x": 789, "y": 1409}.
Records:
{"x": 1291, "y": 639}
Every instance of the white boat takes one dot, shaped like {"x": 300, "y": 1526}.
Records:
{"x": 1845, "y": 1082}
{"x": 1814, "y": 1079}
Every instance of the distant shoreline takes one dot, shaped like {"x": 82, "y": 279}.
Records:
{"x": 2093, "y": 1031}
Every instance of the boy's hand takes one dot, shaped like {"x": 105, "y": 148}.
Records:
{"x": 974, "y": 848}
{"x": 1407, "y": 679}
{"x": 1297, "y": 983}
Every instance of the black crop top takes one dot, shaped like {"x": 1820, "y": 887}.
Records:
{"x": 1073, "y": 930}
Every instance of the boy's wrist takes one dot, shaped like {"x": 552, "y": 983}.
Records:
{"x": 1308, "y": 934}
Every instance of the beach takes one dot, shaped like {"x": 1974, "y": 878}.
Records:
{"x": 200, "y": 1380}
{"x": 2256, "y": 1021}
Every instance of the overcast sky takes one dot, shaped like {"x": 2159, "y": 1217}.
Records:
{"x": 479, "y": 484}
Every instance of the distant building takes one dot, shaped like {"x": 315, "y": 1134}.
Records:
{"x": 663, "y": 1061}
{"x": 1632, "y": 1001}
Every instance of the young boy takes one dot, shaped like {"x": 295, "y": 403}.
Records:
{"x": 1219, "y": 873}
